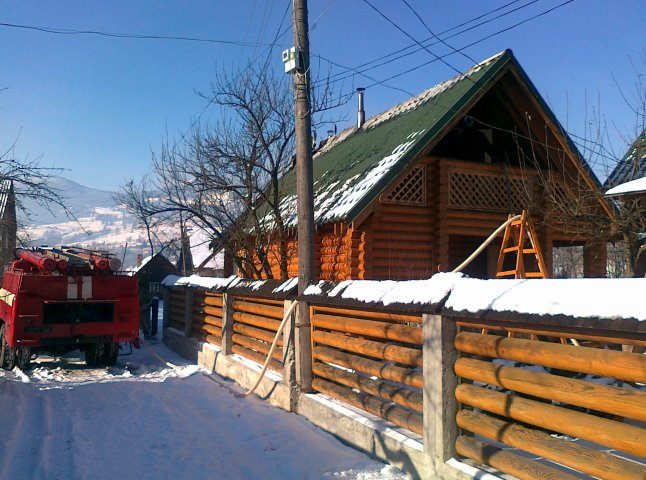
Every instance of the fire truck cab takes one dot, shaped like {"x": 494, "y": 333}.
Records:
{"x": 57, "y": 300}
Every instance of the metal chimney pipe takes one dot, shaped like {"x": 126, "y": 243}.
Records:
{"x": 361, "y": 114}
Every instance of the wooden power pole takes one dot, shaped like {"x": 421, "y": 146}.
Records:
{"x": 304, "y": 190}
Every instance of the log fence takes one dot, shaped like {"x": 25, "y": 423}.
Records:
{"x": 527, "y": 398}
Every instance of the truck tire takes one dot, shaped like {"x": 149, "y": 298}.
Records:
{"x": 7, "y": 353}
{"x": 94, "y": 355}
{"x": 23, "y": 357}
{"x": 110, "y": 353}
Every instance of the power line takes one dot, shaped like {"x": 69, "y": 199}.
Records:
{"x": 399, "y": 54}
{"x": 64, "y": 31}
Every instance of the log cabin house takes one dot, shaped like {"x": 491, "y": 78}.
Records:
{"x": 416, "y": 189}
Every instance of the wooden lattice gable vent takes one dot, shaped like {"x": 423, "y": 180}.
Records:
{"x": 411, "y": 190}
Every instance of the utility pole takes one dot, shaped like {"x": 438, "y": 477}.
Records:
{"x": 304, "y": 190}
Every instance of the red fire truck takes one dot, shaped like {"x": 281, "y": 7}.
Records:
{"x": 57, "y": 300}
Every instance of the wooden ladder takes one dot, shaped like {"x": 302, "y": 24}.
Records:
{"x": 517, "y": 234}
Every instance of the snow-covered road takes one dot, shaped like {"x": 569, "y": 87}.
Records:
{"x": 142, "y": 419}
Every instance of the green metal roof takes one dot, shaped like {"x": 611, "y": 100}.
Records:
{"x": 355, "y": 167}
{"x": 632, "y": 166}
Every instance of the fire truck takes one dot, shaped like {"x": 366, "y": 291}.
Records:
{"x": 57, "y": 300}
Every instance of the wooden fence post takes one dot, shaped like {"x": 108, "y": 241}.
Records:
{"x": 303, "y": 341}
{"x": 188, "y": 313}
{"x": 440, "y": 381}
{"x": 227, "y": 324}
{"x": 289, "y": 356}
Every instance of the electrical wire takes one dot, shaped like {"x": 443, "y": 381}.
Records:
{"x": 64, "y": 31}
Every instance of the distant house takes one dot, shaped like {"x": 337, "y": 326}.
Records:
{"x": 417, "y": 188}
{"x": 632, "y": 166}
{"x": 8, "y": 224}
{"x": 150, "y": 273}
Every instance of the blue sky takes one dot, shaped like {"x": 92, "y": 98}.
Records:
{"x": 98, "y": 106}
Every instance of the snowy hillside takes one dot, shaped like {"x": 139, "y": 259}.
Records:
{"x": 103, "y": 223}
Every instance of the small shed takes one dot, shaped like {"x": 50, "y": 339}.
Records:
{"x": 150, "y": 273}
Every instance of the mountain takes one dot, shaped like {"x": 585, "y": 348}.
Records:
{"x": 102, "y": 222}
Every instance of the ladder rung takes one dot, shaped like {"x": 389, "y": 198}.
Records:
{"x": 534, "y": 274}
{"x": 510, "y": 249}
{"x": 506, "y": 274}
{"x": 529, "y": 250}
{"x": 515, "y": 223}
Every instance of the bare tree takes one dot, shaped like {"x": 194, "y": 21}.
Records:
{"x": 225, "y": 178}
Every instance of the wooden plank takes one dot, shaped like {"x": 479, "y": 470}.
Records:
{"x": 368, "y": 314}
{"x": 505, "y": 461}
{"x": 385, "y": 330}
{"x": 401, "y": 396}
{"x": 382, "y": 351}
{"x": 256, "y": 321}
{"x": 603, "y": 398}
{"x": 393, "y": 373}
{"x": 385, "y": 410}
{"x": 610, "y": 433}
{"x": 584, "y": 459}
{"x": 258, "y": 333}
{"x": 267, "y": 301}
{"x": 607, "y": 363}
{"x": 270, "y": 311}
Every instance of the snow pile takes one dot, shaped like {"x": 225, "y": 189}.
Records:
{"x": 197, "y": 281}
{"x": 578, "y": 297}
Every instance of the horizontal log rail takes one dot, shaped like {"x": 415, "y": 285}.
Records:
{"x": 214, "y": 311}
{"x": 390, "y": 393}
{"x": 256, "y": 308}
{"x": 573, "y": 455}
{"x": 257, "y": 345}
{"x": 392, "y": 373}
{"x": 211, "y": 320}
{"x": 557, "y": 331}
{"x": 610, "y": 433}
{"x": 211, "y": 330}
{"x": 505, "y": 461}
{"x": 384, "y": 330}
{"x": 268, "y": 301}
{"x": 368, "y": 314}
{"x": 603, "y": 398}
{"x": 256, "y": 321}
{"x": 257, "y": 333}
{"x": 214, "y": 340}
{"x": 620, "y": 365}
{"x": 214, "y": 301}
{"x": 382, "y": 351}
{"x": 394, "y": 414}
{"x": 257, "y": 357}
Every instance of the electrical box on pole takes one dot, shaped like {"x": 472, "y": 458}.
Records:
{"x": 293, "y": 60}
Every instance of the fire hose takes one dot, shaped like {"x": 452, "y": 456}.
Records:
{"x": 484, "y": 244}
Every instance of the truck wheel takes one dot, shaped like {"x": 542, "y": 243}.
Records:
{"x": 23, "y": 356}
{"x": 110, "y": 353}
{"x": 7, "y": 353}
{"x": 94, "y": 355}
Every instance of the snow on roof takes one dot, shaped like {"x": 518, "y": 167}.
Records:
{"x": 605, "y": 298}
{"x": 197, "y": 281}
{"x": 634, "y": 186}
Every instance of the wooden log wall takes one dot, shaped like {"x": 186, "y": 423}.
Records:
{"x": 207, "y": 317}
{"x": 176, "y": 316}
{"x": 370, "y": 360}
{"x": 255, "y": 323}
{"x": 520, "y": 392}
